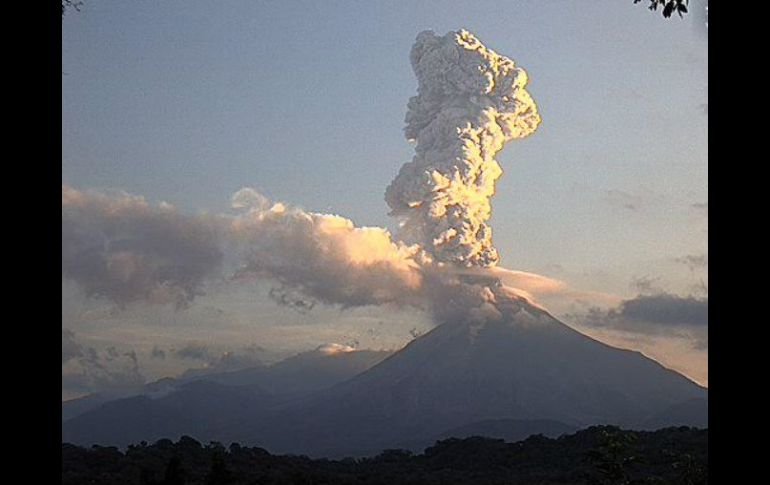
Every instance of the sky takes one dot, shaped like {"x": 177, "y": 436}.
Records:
{"x": 188, "y": 102}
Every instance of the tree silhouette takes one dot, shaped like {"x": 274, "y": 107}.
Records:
{"x": 146, "y": 477}
{"x": 219, "y": 474}
{"x": 70, "y": 4}
{"x": 668, "y": 6}
{"x": 175, "y": 474}
{"x": 690, "y": 471}
{"x": 599, "y": 455}
{"x": 613, "y": 457}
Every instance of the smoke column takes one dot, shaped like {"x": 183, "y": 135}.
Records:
{"x": 470, "y": 102}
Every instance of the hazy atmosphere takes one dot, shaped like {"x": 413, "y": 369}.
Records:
{"x": 233, "y": 191}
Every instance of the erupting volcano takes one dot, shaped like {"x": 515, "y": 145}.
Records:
{"x": 495, "y": 354}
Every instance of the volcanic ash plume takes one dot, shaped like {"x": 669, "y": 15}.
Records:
{"x": 470, "y": 102}
{"x": 123, "y": 249}
{"x": 326, "y": 257}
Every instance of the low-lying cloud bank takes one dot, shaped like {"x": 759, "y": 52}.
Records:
{"x": 658, "y": 314}
{"x": 665, "y": 309}
{"x": 86, "y": 369}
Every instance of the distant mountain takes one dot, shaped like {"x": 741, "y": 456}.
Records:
{"x": 505, "y": 429}
{"x": 293, "y": 377}
{"x": 694, "y": 412}
{"x": 531, "y": 369}
{"x": 508, "y": 429}
{"x": 198, "y": 408}
{"x": 80, "y": 405}
{"x": 303, "y": 373}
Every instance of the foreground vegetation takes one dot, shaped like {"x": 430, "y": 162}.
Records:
{"x": 597, "y": 455}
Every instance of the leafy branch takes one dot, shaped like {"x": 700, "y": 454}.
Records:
{"x": 70, "y": 4}
{"x": 669, "y": 6}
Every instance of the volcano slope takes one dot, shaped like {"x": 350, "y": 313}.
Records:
{"x": 527, "y": 367}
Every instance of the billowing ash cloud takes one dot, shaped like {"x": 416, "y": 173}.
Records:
{"x": 326, "y": 257}
{"x": 123, "y": 249}
{"x": 470, "y": 102}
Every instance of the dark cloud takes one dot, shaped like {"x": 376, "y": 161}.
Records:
{"x": 665, "y": 309}
{"x": 112, "y": 353}
{"x": 694, "y": 261}
{"x": 89, "y": 370}
{"x": 229, "y": 359}
{"x": 194, "y": 351}
{"x": 158, "y": 353}
{"x": 222, "y": 361}
{"x": 651, "y": 314}
{"x": 291, "y": 298}
{"x": 646, "y": 284}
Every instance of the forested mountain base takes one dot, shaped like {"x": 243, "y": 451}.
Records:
{"x": 596, "y": 455}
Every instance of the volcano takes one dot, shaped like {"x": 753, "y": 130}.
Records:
{"x": 523, "y": 369}
{"x": 529, "y": 373}
{"x": 495, "y": 363}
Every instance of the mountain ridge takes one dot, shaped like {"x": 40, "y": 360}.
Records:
{"x": 528, "y": 367}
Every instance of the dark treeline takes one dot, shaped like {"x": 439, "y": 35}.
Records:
{"x": 596, "y": 455}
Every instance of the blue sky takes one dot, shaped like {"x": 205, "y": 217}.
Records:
{"x": 187, "y": 102}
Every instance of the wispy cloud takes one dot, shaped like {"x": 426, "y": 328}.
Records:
{"x": 646, "y": 284}
{"x": 651, "y": 313}
{"x": 694, "y": 262}
{"x": 87, "y": 370}
{"x": 194, "y": 351}
{"x": 619, "y": 198}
